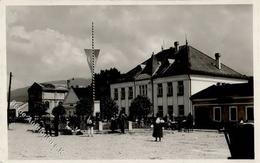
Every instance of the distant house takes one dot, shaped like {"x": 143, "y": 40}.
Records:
{"x": 223, "y": 104}
{"x": 74, "y": 95}
{"x": 19, "y": 107}
{"x": 170, "y": 77}
{"x": 44, "y": 93}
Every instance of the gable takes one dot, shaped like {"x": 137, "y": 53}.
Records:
{"x": 35, "y": 87}
{"x": 71, "y": 97}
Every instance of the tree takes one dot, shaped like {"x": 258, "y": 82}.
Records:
{"x": 140, "y": 108}
{"x": 40, "y": 109}
{"x": 84, "y": 107}
{"x": 108, "y": 107}
{"x": 103, "y": 81}
{"x": 58, "y": 110}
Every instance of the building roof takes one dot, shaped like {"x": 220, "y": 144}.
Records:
{"x": 83, "y": 93}
{"x": 50, "y": 87}
{"x": 187, "y": 60}
{"x": 19, "y": 106}
{"x": 225, "y": 90}
{"x": 76, "y": 94}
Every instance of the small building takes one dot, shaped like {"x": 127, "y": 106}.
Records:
{"x": 223, "y": 104}
{"x": 170, "y": 77}
{"x": 74, "y": 95}
{"x": 19, "y": 107}
{"x": 45, "y": 93}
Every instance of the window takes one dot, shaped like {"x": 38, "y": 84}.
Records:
{"x": 160, "y": 111}
{"x": 180, "y": 88}
{"x": 169, "y": 88}
{"x": 249, "y": 113}
{"x": 170, "y": 110}
{"x": 181, "y": 110}
{"x": 123, "y": 110}
{"x": 130, "y": 93}
{"x": 115, "y": 94}
{"x": 160, "y": 90}
{"x": 233, "y": 113}
{"x": 47, "y": 104}
{"x": 122, "y": 93}
{"x": 217, "y": 114}
{"x": 143, "y": 90}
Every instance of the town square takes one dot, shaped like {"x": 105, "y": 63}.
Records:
{"x": 128, "y": 82}
{"x": 137, "y": 144}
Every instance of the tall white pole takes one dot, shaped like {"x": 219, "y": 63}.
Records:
{"x": 93, "y": 63}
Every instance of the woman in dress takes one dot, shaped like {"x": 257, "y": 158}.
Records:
{"x": 157, "y": 129}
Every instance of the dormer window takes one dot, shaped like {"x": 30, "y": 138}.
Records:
{"x": 171, "y": 61}
{"x": 142, "y": 66}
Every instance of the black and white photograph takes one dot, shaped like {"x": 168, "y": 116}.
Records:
{"x": 130, "y": 81}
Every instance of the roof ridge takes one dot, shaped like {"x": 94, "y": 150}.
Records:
{"x": 222, "y": 64}
{"x": 202, "y": 52}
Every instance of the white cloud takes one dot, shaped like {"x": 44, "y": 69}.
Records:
{"x": 48, "y": 52}
{"x": 48, "y": 41}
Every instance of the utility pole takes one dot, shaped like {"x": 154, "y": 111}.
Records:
{"x": 9, "y": 97}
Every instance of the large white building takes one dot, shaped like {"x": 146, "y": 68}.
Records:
{"x": 170, "y": 77}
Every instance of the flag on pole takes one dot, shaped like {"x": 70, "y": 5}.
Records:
{"x": 88, "y": 53}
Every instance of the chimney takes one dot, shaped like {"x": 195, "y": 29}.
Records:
{"x": 68, "y": 84}
{"x": 176, "y": 45}
{"x": 218, "y": 61}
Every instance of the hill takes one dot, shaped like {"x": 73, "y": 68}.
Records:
{"x": 20, "y": 94}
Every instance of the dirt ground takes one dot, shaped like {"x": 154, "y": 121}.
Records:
{"x": 137, "y": 144}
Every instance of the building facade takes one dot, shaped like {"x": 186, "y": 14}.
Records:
{"x": 223, "y": 104}
{"x": 48, "y": 94}
{"x": 170, "y": 78}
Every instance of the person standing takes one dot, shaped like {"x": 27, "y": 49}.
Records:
{"x": 113, "y": 125}
{"x": 57, "y": 112}
{"x": 189, "y": 122}
{"x": 157, "y": 128}
{"x": 122, "y": 119}
{"x": 90, "y": 125}
{"x": 47, "y": 124}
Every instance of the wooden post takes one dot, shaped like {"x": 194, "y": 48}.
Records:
{"x": 9, "y": 98}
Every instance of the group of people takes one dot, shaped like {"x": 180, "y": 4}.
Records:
{"x": 118, "y": 121}
{"x": 48, "y": 123}
{"x": 159, "y": 123}
{"x": 73, "y": 124}
{"x": 68, "y": 128}
{"x": 68, "y": 125}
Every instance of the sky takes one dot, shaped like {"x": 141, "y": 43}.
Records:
{"x": 46, "y": 43}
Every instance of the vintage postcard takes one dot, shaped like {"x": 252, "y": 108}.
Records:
{"x": 128, "y": 80}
